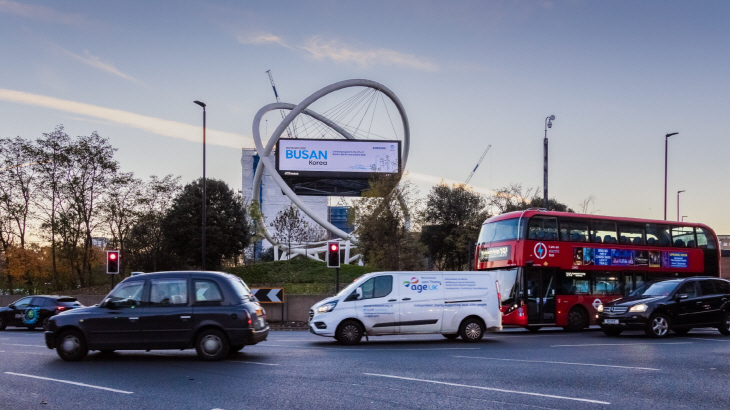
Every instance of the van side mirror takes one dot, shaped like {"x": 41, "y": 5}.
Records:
{"x": 355, "y": 295}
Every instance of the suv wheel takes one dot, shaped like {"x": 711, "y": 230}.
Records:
{"x": 658, "y": 325}
{"x": 211, "y": 345}
{"x": 725, "y": 324}
{"x": 71, "y": 346}
{"x": 349, "y": 333}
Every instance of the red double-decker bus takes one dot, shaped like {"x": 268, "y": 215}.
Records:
{"x": 556, "y": 268}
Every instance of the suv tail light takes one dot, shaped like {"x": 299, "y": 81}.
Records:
{"x": 60, "y": 309}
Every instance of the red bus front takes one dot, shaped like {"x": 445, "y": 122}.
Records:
{"x": 556, "y": 268}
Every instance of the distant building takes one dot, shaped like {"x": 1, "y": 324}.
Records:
{"x": 724, "y": 245}
{"x": 100, "y": 242}
{"x": 273, "y": 200}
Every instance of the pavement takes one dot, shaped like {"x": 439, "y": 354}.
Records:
{"x": 515, "y": 369}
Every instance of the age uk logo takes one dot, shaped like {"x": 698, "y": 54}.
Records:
{"x": 413, "y": 281}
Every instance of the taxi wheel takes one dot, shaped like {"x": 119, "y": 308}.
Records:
{"x": 71, "y": 346}
{"x": 725, "y": 324}
{"x": 471, "y": 330}
{"x": 349, "y": 332}
{"x": 658, "y": 326}
{"x": 211, "y": 345}
{"x": 453, "y": 336}
{"x": 2, "y": 323}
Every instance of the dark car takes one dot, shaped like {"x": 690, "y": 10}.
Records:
{"x": 212, "y": 312}
{"x": 34, "y": 311}
{"x": 676, "y": 304}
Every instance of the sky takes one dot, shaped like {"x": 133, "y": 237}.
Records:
{"x": 617, "y": 75}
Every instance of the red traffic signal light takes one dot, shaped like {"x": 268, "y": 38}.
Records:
{"x": 333, "y": 254}
{"x": 112, "y": 262}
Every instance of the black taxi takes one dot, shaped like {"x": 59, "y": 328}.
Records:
{"x": 213, "y": 312}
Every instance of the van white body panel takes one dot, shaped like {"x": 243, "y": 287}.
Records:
{"x": 411, "y": 303}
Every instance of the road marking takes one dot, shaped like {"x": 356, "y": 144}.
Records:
{"x": 243, "y": 361}
{"x": 543, "y": 361}
{"x": 15, "y": 344}
{"x": 712, "y": 340}
{"x": 400, "y": 350}
{"x": 68, "y": 382}
{"x": 552, "y": 396}
{"x": 624, "y": 344}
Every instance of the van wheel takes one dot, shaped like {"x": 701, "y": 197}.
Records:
{"x": 471, "y": 330}
{"x": 577, "y": 320}
{"x": 658, "y": 326}
{"x": 349, "y": 332}
{"x": 724, "y": 327}
{"x": 212, "y": 345}
{"x": 453, "y": 336}
{"x": 71, "y": 346}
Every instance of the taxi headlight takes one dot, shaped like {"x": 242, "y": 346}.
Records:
{"x": 600, "y": 308}
{"x": 639, "y": 308}
{"x": 327, "y": 307}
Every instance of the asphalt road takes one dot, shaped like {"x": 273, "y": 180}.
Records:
{"x": 298, "y": 370}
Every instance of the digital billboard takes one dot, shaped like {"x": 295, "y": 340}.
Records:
{"x": 337, "y": 158}
{"x": 326, "y": 167}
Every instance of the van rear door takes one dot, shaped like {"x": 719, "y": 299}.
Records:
{"x": 421, "y": 301}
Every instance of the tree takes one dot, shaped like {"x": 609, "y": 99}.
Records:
{"x": 384, "y": 219}
{"x": 289, "y": 227}
{"x": 512, "y": 198}
{"x": 147, "y": 248}
{"x": 227, "y": 231}
{"x": 454, "y": 215}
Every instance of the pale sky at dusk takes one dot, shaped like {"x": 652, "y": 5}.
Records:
{"x": 617, "y": 75}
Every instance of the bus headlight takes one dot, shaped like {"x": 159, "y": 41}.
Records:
{"x": 639, "y": 308}
{"x": 600, "y": 308}
{"x": 327, "y": 307}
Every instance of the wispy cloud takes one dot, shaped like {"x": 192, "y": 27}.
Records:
{"x": 320, "y": 49}
{"x": 96, "y": 62}
{"x": 41, "y": 13}
{"x": 261, "y": 38}
{"x": 172, "y": 129}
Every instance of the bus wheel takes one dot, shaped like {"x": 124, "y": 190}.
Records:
{"x": 533, "y": 329}
{"x": 577, "y": 319}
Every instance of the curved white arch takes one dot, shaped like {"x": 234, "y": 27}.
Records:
{"x": 265, "y": 160}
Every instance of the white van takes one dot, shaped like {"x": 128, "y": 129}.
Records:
{"x": 453, "y": 304}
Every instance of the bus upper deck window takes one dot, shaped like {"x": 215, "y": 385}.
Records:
{"x": 543, "y": 228}
{"x": 657, "y": 235}
{"x": 603, "y": 231}
{"x": 631, "y": 233}
{"x": 705, "y": 239}
{"x": 683, "y": 237}
{"x": 573, "y": 230}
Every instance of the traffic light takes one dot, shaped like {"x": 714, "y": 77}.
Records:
{"x": 333, "y": 254}
{"x": 112, "y": 262}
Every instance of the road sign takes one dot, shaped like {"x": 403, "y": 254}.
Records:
{"x": 271, "y": 295}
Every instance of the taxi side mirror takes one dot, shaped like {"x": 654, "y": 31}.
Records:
{"x": 681, "y": 296}
{"x": 11, "y": 306}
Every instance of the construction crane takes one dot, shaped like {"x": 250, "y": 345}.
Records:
{"x": 479, "y": 162}
{"x": 271, "y": 78}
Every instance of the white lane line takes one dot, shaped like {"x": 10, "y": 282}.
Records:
{"x": 552, "y": 396}
{"x": 68, "y": 382}
{"x": 419, "y": 350}
{"x": 244, "y": 361}
{"x": 16, "y": 344}
{"x": 544, "y": 361}
{"x": 624, "y": 344}
{"x": 712, "y": 340}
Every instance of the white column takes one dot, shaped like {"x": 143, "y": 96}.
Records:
{"x": 347, "y": 252}
{"x": 276, "y": 253}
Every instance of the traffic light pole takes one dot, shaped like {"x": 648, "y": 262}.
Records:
{"x": 337, "y": 281}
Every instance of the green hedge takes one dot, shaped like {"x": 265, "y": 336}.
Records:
{"x": 298, "y": 276}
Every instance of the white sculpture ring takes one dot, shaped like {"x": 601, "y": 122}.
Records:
{"x": 265, "y": 159}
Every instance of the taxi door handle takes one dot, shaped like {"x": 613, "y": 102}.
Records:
{"x": 406, "y": 298}
{"x": 184, "y": 317}
{"x": 133, "y": 318}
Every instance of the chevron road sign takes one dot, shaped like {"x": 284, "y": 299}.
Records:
{"x": 273, "y": 295}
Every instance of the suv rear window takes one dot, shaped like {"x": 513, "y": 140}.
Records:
{"x": 67, "y": 302}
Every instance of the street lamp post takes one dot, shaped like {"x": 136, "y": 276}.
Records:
{"x": 548, "y": 124}
{"x": 202, "y": 264}
{"x": 678, "y": 192}
{"x": 666, "y": 146}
